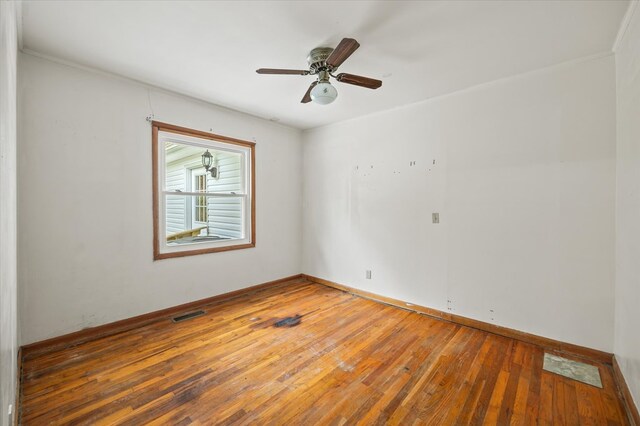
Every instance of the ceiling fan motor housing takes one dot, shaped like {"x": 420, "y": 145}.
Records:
{"x": 317, "y": 58}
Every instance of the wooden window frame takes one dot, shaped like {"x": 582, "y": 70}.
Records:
{"x": 158, "y": 127}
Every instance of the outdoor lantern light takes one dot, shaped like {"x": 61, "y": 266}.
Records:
{"x": 207, "y": 163}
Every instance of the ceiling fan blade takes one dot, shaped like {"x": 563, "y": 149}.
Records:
{"x": 281, "y": 71}
{"x": 359, "y": 80}
{"x": 340, "y": 54}
{"x": 307, "y": 96}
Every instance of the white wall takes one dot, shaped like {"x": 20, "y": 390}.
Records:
{"x": 85, "y": 209}
{"x": 523, "y": 179}
{"x": 8, "y": 286}
{"x": 627, "y": 321}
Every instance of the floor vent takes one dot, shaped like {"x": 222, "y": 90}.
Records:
{"x": 187, "y": 316}
{"x": 585, "y": 373}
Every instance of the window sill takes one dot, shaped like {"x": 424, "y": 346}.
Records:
{"x": 168, "y": 255}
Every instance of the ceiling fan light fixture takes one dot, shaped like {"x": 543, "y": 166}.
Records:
{"x": 324, "y": 93}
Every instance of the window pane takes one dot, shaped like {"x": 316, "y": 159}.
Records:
{"x": 185, "y": 172}
{"x": 201, "y": 219}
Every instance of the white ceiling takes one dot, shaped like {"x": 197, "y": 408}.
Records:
{"x": 210, "y": 50}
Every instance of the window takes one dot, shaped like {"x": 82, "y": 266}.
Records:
{"x": 203, "y": 192}
{"x": 200, "y": 210}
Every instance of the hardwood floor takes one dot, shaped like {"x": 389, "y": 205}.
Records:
{"x": 349, "y": 361}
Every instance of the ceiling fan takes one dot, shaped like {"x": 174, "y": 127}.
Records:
{"x": 324, "y": 62}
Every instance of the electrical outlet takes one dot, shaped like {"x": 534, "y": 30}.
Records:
{"x": 435, "y": 217}
{"x": 368, "y": 274}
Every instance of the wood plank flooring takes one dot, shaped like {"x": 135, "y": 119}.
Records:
{"x": 349, "y": 361}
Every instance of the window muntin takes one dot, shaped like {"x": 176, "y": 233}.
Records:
{"x": 199, "y": 211}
